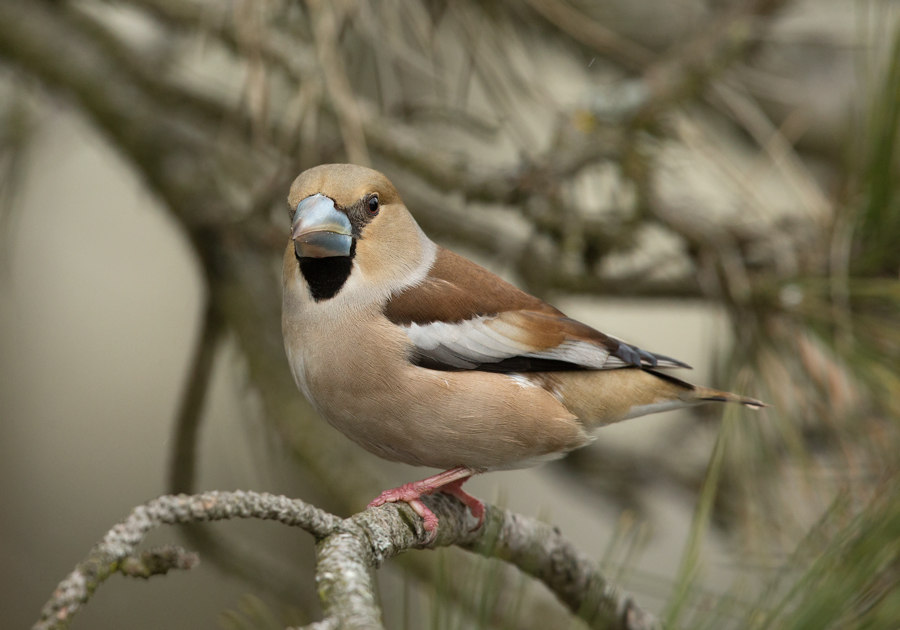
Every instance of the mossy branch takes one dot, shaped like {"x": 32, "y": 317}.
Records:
{"x": 347, "y": 550}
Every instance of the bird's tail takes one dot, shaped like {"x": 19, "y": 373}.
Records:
{"x": 706, "y": 394}
{"x": 607, "y": 396}
{"x": 695, "y": 394}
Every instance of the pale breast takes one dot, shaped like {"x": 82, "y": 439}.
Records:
{"x": 353, "y": 365}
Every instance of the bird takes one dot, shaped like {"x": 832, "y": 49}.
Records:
{"x": 423, "y": 357}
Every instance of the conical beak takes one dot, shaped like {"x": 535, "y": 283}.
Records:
{"x": 319, "y": 230}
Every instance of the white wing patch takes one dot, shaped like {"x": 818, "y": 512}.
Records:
{"x": 467, "y": 344}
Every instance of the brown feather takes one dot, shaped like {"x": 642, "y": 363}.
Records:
{"x": 542, "y": 331}
{"x": 456, "y": 289}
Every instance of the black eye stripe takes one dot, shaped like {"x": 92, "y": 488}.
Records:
{"x": 360, "y": 213}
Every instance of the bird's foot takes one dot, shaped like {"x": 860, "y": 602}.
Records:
{"x": 410, "y": 493}
{"x": 454, "y": 489}
{"x": 449, "y": 481}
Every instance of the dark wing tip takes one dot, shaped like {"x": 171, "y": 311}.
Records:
{"x": 641, "y": 358}
{"x": 665, "y": 361}
{"x": 647, "y": 357}
{"x": 628, "y": 354}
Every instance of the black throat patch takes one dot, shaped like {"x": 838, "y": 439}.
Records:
{"x": 326, "y": 276}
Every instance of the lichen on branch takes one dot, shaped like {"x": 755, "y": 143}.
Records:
{"x": 348, "y": 550}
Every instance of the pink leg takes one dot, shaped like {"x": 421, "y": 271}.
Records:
{"x": 449, "y": 481}
{"x": 454, "y": 488}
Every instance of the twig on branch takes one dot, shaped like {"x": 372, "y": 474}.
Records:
{"x": 74, "y": 591}
{"x": 116, "y": 552}
{"x": 158, "y": 561}
{"x": 347, "y": 551}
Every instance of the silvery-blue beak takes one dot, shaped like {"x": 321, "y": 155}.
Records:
{"x": 319, "y": 230}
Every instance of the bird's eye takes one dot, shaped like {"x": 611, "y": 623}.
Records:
{"x": 372, "y": 204}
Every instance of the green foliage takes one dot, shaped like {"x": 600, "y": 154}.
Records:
{"x": 877, "y": 234}
{"x": 850, "y": 570}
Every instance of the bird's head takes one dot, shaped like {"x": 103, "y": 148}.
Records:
{"x": 346, "y": 217}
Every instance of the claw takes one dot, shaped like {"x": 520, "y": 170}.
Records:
{"x": 450, "y": 481}
{"x": 475, "y": 506}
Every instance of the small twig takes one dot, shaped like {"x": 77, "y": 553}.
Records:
{"x": 116, "y": 552}
{"x": 158, "y": 561}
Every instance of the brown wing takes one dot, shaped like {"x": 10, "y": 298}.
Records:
{"x": 463, "y": 317}
{"x": 456, "y": 289}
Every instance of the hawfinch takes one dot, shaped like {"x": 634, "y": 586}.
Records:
{"x": 422, "y": 357}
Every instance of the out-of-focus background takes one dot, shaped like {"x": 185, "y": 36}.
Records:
{"x": 712, "y": 180}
